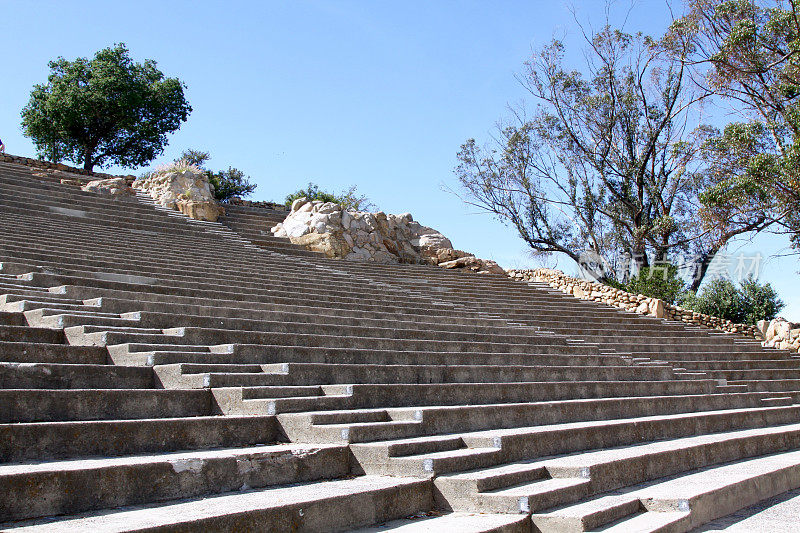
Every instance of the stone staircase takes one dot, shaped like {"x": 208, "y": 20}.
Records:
{"x": 160, "y": 373}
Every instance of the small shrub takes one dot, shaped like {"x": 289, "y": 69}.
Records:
{"x": 231, "y": 183}
{"x": 313, "y": 193}
{"x": 661, "y": 281}
{"x": 746, "y": 304}
{"x": 179, "y": 165}
{"x": 347, "y": 199}
{"x": 760, "y": 301}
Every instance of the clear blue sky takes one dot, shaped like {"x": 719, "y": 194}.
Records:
{"x": 371, "y": 93}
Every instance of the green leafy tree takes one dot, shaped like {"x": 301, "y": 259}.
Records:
{"x": 105, "y": 110}
{"x": 746, "y": 304}
{"x": 231, "y": 183}
{"x": 348, "y": 199}
{"x": 748, "y": 52}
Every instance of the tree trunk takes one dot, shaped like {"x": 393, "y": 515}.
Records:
{"x": 702, "y": 267}
{"x": 88, "y": 164}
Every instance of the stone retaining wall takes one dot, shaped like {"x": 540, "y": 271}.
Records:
{"x": 47, "y": 165}
{"x": 636, "y": 303}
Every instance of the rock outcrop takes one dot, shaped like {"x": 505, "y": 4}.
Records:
{"x": 116, "y": 188}
{"x": 185, "y": 189}
{"x": 383, "y": 238}
{"x": 780, "y": 333}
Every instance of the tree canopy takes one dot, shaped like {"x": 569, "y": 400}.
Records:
{"x": 748, "y": 52}
{"x": 105, "y": 110}
{"x": 609, "y": 161}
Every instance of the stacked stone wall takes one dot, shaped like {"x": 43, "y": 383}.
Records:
{"x": 636, "y": 303}
{"x": 47, "y": 165}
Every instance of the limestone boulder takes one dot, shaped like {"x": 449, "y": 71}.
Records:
{"x": 470, "y": 262}
{"x": 778, "y": 328}
{"x": 379, "y": 237}
{"x": 656, "y": 308}
{"x": 333, "y": 245}
{"x": 183, "y": 188}
{"x": 297, "y": 204}
{"x": 209, "y": 211}
{"x": 116, "y": 188}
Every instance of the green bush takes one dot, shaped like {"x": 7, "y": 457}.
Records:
{"x": 347, "y": 199}
{"x": 231, "y": 183}
{"x": 746, "y": 304}
{"x": 662, "y": 282}
{"x": 313, "y": 193}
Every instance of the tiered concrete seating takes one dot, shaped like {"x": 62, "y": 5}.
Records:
{"x": 158, "y": 372}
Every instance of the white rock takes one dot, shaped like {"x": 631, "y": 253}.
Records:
{"x": 375, "y": 237}
{"x": 114, "y": 187}
{"x": 778, "y": 328}
{"x": 329, "y": 207}
{"x": 297, "y": 204}
{"x": 278, "y": 231}
{"x": 188, "y": 190}
{"x": 298, "y": 226}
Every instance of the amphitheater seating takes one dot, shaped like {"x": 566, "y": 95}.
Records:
{"x": 160, "y": 373}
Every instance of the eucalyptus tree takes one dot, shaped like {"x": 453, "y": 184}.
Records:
{"x": 608, "y": 160}
{"x": 748, "y": 52}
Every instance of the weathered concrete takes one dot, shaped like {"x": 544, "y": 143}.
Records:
{"x": 220, "y": 378}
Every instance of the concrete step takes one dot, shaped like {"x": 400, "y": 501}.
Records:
{"x": 107, "y": 336}
{"x": 461, "y": 522}
{"x": 777, "y": 514}
{"x": 298, "y": 354}
{"x": 283, "y": 311}
{"x": 320, "y": 506}
{"x": 19, "y": 302}
{"x": 34, "y": 441}
{"x": 59, "y": 319}
{"x": 439, "y": 420}
{"x": 548, "y": 482}
{"x": 27, "y": 352}
{"x": 73, "y": 376}
{"x": 80, "y": 485}
{"x": 684, "y": 502}
{"x": 187, "y": 375}
{"x": 29, "y": 334}
{"x": 323, "y": 323}
{"x": 282, "y": 399}
{"x": 12, "y": 319}
{"x": 408, "y": 457}
{"x": 48, "y": 405}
